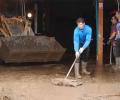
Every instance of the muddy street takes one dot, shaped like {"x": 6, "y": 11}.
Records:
{"x": 33, "y": 82}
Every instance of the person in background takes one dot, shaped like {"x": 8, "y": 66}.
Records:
{"x": 116, "y": 48}
{"x": 112, "y": 38}
{"x": 82, "y": 39}
{"x": 113, "y": 29}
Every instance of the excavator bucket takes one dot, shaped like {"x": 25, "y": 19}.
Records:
{"x": 19, "y": 44}
{"x": 30, "y": 49}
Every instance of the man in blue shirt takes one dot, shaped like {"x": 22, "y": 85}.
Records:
{"x": 82, "y": 39}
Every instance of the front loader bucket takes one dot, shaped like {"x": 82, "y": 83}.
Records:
{"x": 30, "y": 49}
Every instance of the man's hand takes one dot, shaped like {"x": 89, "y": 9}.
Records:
{"x": 77, "y": 54}
{"x": 81, "y": 50}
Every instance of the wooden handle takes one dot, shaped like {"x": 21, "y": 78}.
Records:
{"x": 70, "y": 68}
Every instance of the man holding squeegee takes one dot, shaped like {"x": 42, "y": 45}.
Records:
{"x": 82, "y": 39}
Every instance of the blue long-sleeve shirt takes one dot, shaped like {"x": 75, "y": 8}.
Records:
{"x": 82, "y": 38}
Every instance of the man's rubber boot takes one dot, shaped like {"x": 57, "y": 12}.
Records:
{"x": 117, "y": 64}
{"x": 84, "y": 68}
{"x": 76, "y": 69}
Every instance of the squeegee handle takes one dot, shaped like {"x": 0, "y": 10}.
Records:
{"x": 70, "y": 68}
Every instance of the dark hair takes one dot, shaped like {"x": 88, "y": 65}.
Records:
{"x": 80, "y": 20}
{"x": 114, "y": 18}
